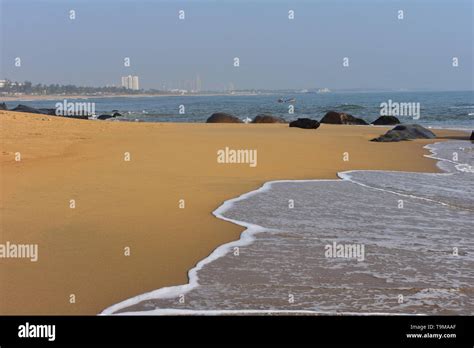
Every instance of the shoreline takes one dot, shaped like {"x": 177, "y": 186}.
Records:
{"x": 246, "y": 238}
{"x": 115, "y": 209}
{"x": 28, "y": 98}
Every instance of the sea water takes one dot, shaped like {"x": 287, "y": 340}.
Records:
{"x": 437, "y": 109}
{"x": 415, "y": 229}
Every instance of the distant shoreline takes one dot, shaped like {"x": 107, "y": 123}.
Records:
{"x": 32, "y": 97}
{"x": 75, "y": 96}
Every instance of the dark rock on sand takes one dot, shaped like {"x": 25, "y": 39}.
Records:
{"x": 104, "y": 117}
{"x": 406, "y": 132}
{"x": 51, "y": 112}
{"x": 46, "y": 111}
{"x": 305, "y": 123}
{"x": 386, "y": 120}
{"x": 222, "y": 117}
{"x": 333, "y": 117}
{"x": 266, "y": 118}
{"x": 3, "y": 106}
{"x": 472, "y": 136}
{"x": 79, "y": 117}
{"x": 25, "y": 108}
{"x": 115, "y": 114}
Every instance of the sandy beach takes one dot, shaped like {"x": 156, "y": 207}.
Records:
{"x": 135, "y": 203}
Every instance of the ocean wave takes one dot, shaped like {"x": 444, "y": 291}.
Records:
{"x": 346, "y": 107}
{"x": 464, "y": 106}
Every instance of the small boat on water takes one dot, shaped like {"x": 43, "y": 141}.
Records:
{"x": 291, "y": 100}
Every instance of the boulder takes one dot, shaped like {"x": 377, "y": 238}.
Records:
{"x": 3, "y": 106}
{"x": 104, "y": 117}
{"x": 266, "y": 118}
{"x": 79, "y": 117}
{"x": 222, "y": 117}
{"x": 472, "y": 136}
{"x": 333, "y": 117}
{"x": 45, "y": 111}
{"x": 406, "y": 132}
{"x": 115, "y": 114}
{"x": 386, "y": 120}
{"x": 25, "y": 108}
{"x": 305, "y": 123}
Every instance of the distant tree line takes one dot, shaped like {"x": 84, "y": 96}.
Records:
{"x": 29, "y": 88}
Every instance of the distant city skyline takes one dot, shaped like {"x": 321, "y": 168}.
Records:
{"x": 429, "y": 47}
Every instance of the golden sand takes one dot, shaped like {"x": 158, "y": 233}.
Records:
{"x": 135, "y": 203}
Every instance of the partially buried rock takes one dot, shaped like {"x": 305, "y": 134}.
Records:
{"x": 333, "y": 117}
{"x": 104, "y": 117}
{"x": 222, "y": 117}
{"x": 305, "y": 123}
{"x": 45, "y": 111}
{"x": 51, "y": 112}
{"x": 3, "y": 106}
{"x": 266, "y": 118}
{"x": 406, "y": 132}
{"x": 25, "y": 108}
{"x": 386, "y": 120}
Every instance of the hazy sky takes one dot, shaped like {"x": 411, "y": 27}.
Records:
{"x": 275, "y": 52}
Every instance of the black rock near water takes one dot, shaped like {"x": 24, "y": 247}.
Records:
{"x": 472, "y": 136}
{"x": 29, "y": 109}
{"x": 266, "y": 118}
{"x": 406, "y": 132}
{"x": 51, "y": 112}
{"x": 305, "y": 123}
{"x": 104, "y": 117}
{"x": 107, "y": 116}
{"x": 45, "y": 111}
{"x": 3, "y": 106}
{"x": 386, "y": 120}
{"x": 222, "y": 117}
{"x": 333, "y": 117}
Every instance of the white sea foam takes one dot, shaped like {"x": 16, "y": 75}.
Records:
{"x": 173, "y": 311}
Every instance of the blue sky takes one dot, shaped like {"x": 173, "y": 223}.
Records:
{"x": 275, "y": 52}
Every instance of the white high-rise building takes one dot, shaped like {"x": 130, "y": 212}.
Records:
{"x": 198, "y": 83}
{"x": 135, "y": 84}
{"x": 125, "y": 81}
{"x": 130, "y": 82}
